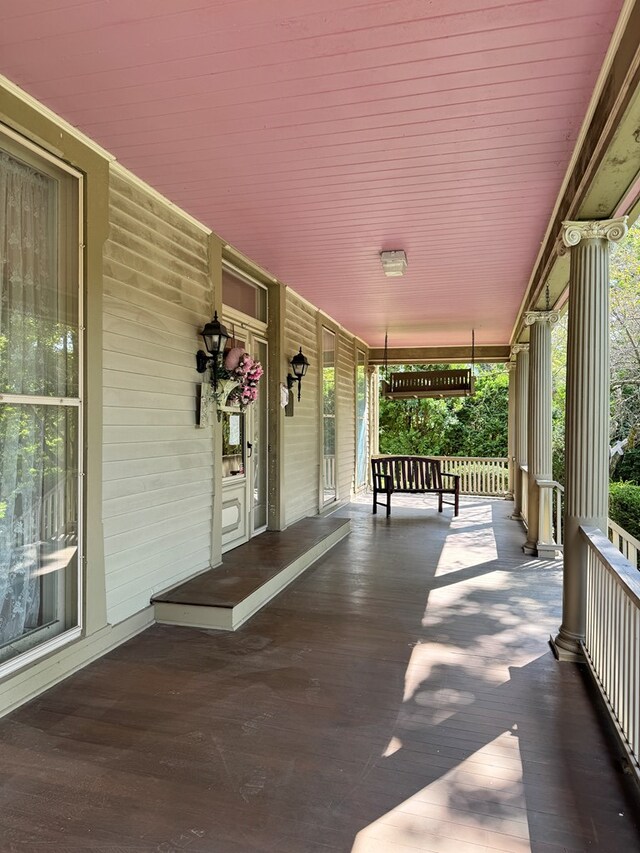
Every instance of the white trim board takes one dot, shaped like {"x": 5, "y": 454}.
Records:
{"x": 231, "y": 618}
{"x": 34, "y": 680}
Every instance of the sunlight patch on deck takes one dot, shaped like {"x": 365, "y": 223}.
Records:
{"x": 478, "y": 804}
{"x": 470, "y": 541}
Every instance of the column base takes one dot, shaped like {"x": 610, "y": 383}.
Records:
{"x": 547, "y": 552}
{"x": 530, "y": 549}
{"x": 517, "y": 516}
{"x": 566, "y": 649}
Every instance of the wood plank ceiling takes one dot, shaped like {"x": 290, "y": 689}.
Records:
{"x": 314, "y": 135}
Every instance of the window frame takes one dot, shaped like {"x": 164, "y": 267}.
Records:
{"x": 70, "y": 209}
{"x": 361, "y": 351}
{"x": 325, "y": 326}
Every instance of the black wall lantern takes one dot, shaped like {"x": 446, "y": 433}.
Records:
{"x": 215, "y": 337}
{"x": 299, "y": 365}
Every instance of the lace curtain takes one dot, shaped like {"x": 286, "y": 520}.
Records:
{"x": 30, "y": 365}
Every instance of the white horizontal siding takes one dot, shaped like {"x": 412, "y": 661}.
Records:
{"x": 158, "y": 450}
{"x": 125, "y": 486}
{"x": 153, "y": 546}
{"x": 122, "y": 416}
{"x": 173, "y": 563}
{"x": 131, "y": 469}
{"x": 301, "y": 432}
{"x": 157, "y": 467}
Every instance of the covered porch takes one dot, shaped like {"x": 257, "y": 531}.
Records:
{"x": 246, "y": 167}
{"x": 399, "y": 696}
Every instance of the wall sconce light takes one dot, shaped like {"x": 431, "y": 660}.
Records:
{"x": 299, "y": 365}
{"x": 215, "y": 337}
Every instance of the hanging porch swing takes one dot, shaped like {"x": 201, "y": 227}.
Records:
{"x": 420, "y": 384}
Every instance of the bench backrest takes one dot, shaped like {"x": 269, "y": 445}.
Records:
{"x": 408, "y": 473}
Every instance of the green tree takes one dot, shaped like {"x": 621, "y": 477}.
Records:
{"x": 625, "y": 354}
{"x": 452, "y": 426}
{"x": 625, "y": 363}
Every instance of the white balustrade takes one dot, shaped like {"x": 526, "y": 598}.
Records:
{"x": 612, "y": 642}
{"x": 624, "y": 542}
{"x": 551, "y": 516}
{"x": 524, "y": 497}
{"x": 479, "y": 475}
{"x": 552, "y": 519}
{"x": 329, "y": 472}
{"x": 49, "y": 516}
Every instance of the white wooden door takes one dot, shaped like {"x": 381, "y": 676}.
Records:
{"x": 244, "y": 457}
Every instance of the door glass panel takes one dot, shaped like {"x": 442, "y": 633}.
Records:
{"x": 233, "y": 444}
{"x": 329, "y": 415}
{"x": 259, "y": 449}
{"x": 361, "y": 422}
{"x": 38, "y": 524}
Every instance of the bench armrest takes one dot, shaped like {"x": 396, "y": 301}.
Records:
{"x": 453, "y": 476}
{"x": 383, "y": 481}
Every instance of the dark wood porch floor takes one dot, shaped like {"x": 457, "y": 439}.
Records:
{"x": 399, "y": 696}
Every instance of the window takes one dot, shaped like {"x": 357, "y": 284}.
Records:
{"x": 40, "y": 411}
{"x": 329, "y": 415}
{"x": 240, "y": 293}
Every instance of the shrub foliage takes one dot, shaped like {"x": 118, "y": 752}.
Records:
{"x": 624, "y": 506}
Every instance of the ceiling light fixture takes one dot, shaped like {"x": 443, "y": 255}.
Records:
{"x": 394, "y": 263}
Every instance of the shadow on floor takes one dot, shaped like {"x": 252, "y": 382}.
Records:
{"x": 398, "y": 697}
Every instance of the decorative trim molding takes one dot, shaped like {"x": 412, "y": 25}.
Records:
{"x": 53, "y": 117}
{"x": 439, "y": 354}
{"x": 593, "y": 229}
{"x": 550, "y": 317}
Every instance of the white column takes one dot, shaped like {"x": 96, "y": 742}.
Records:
{"x": 522, "y": 395}
{"x": 587, "y": 413}
{"x": 539, "y": 445}
{"x": 511, "y": 427}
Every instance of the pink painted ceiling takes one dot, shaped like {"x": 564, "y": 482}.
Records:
{"x": 312, "y": 134}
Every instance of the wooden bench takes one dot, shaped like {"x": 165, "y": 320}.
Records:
{"x": 413, "y": 475}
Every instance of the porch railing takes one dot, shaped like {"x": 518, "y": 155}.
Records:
{"x": 49, "y": 516}
{"x": 612, "y": 643}
{"x": 552, "y": 521}
{"x": 624, "y": 542}
{"x": 550, "y": 534}
{"x": 479, "y": 475}
{"x": 329, "y": 472}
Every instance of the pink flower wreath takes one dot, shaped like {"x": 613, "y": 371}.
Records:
{"x": 241, "y": 367}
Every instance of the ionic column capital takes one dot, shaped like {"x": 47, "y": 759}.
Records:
{"x": 550, "y": 317}
{"x": 516, "y": 348}
{"x": 510, "y": 366}
{"x": 593, "y": 229}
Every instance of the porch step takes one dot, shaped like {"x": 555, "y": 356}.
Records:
{"x": 249, "y": 577}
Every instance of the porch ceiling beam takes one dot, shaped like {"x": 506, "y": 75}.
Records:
{"x": 436, "y": 355}
{"x": 603, "y": 170}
